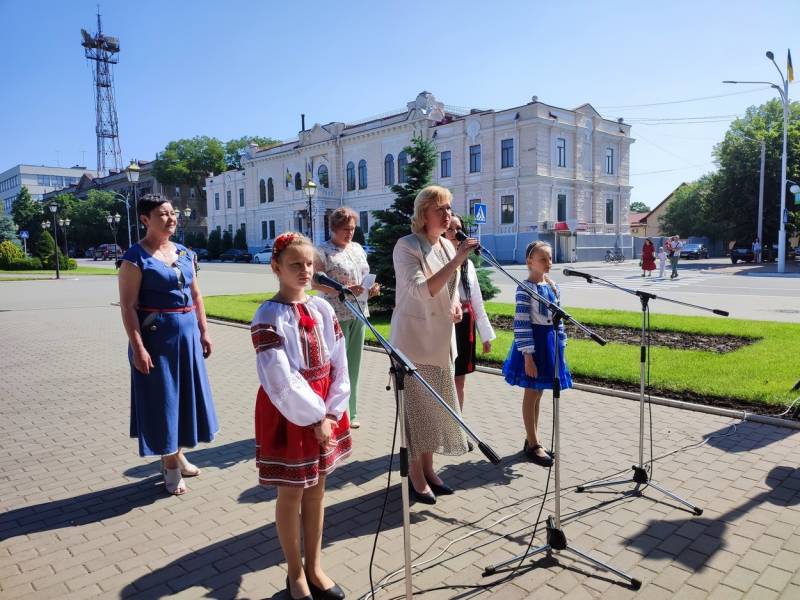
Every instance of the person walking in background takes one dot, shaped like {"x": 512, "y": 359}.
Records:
{"x": 757, "y": 250}
{"x": 674, "y": 252}
{"x": 163, "y": 315}
{"x": 662, "y": 261}
{"x": 648, "y": 257}
{"x": 345, "y": 261}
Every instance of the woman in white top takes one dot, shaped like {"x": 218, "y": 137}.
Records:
{"x": 426, "y": 306}
{"x": 475, "y": 317}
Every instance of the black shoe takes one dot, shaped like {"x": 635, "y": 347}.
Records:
{"x": 306, "y": 597}
{"x": 470, "y": 447}
{"x": 415, "y": 496}
{"x": 332, "y": 593}
{"x": 530, "y": 453}
{"x": 440, "y": 489}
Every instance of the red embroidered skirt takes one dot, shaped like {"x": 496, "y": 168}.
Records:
{"x": 287, "y": 454}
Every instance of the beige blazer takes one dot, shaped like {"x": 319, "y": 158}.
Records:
{"x": 422, "y": 326}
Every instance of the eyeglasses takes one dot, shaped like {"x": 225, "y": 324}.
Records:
{"x": 444, "y": 210}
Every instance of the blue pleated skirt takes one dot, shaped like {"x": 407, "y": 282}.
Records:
{"x": 171, "y": 407}
{"x": 544, "y": 356}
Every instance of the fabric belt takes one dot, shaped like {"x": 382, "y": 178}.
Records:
{"x": 182, "y": 309}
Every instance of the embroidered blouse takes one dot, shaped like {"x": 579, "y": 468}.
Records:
{"x": 297, "y": 343}
{"x": 474, "y": 296}
{"x": 530, "y": 312}
{"x": 348, "y": 266}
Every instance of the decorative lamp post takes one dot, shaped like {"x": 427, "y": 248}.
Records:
{"x": 183, "y": 223}
{"x": 310, "y": 190}
{"x": 783, "y": 92}
{"x": 64, "y": 224}
{"x": 113, "y": 224}
{"x": 132, "y": 172}
{"x": 53, "y": 209}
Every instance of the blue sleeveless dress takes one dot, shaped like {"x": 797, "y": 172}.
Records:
{"x": 171, "y": 407}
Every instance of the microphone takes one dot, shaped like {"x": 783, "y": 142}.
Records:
{"x": 571, "y": 273}
{"x": 321, "y": 278}
{"x": 461, "y": 236}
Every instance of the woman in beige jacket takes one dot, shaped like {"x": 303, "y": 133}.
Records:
{"x": 426, "y": 306}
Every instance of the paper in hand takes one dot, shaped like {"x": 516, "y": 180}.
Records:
{"x": 368, "y": 282}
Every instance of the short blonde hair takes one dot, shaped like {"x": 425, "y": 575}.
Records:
{"x": 341, "y": 216}
{"x": 433, "y": 194}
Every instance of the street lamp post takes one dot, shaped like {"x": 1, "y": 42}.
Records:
{"x": 183, "y": 223}
{"x": 113, "y": 224}
{"x": 132, "y": 172}
{"x": 64, "y": 224}
{"x": 53, "y": 209}
{"x": 310, "y": 189}
{"x": 783, "y": 91}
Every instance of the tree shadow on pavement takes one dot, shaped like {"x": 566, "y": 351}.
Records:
{"x": 220, "y": 456}
{"x": 706, "y": 536}
{"x": 749, "y": 436}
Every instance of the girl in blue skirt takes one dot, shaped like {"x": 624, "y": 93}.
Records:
{"x": 531, "y": 358}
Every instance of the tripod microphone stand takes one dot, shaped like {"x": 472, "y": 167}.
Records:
{"x": 402, "y": 367}
{"x": 640, "y": 475}
{"x": 556, "y": 538}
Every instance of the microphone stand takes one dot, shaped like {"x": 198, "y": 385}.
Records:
{"x": 402, "y": 367}
{"x": 556, "y": 539}
{"x": 640, "y": 475}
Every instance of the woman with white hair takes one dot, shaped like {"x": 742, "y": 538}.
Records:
{"x": 426, "y": 306}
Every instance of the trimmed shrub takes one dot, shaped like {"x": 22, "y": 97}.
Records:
{"x": 24, "y": 264}
{"x": 9, "y": 252}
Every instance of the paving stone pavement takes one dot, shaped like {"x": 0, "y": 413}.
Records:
{"x": 83, "y": 516}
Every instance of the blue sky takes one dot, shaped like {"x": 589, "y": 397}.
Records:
{"x": 236, "y": 68}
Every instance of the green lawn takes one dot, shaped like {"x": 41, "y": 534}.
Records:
{"x": 51, "y": 273}
{"x": 761, "y": 373}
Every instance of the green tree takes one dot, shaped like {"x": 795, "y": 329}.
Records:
{"x": 189, "y": 161}
{"x": 233, "y": 148}
{"x": 45, "y": 248}
{"x": 395, "y": 222}
{"x": 227, "y": 240}
{"x": 214, "y": 244}
{"x": 240, "y": 239}
{"x": 358, "y": 236}
{"x": 27, "y": 213}
{"x": 639, "y": 207}
{"x": 689, "y": 212}
{"x": 89, "y": 226}
{"x": 8, "y": 232}
{"x": 9, "y": 252}
{"x": 733, "y": 199}
{"x": 488, "y": 289}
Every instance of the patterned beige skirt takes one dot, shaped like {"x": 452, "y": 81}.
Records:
{"x": 429, "y": 427}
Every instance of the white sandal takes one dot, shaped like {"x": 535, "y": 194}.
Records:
{"x": 173, "y": 481}
{"x": 187, "y": 468}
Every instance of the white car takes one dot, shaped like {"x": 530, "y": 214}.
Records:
{"x": 263, "y": 257}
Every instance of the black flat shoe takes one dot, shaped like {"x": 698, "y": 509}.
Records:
{"x": 306, "y": 597}
{"x": 415, "y": 496}
{"x": 530, "y": 453}
{"x": 332, "y": 593}
{"x": 440, "y": 489}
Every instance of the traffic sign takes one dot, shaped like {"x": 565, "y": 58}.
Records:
{"x": 479, "y": 210}
{"x": 24, "y": 235}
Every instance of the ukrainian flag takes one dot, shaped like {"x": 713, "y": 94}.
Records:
{"x": 789, "y": 69}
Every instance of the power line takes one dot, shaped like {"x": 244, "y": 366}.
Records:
{"x": 670, "y": 170}
{"x": 698, "y": 99}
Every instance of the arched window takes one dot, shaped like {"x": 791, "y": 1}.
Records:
{"x": 362, "y": 174}
{"x": 298, "y": 181}
{"x": 322, "y": 176}
{"x": 270, "y": 190}
{"x": 402, "y": 164}
{"x": 388, "y": 170}
{"x": 262, "y": 191}
{"x": 350, "y": 173}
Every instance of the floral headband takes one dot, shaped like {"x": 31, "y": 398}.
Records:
{"x": 285, "y": 240}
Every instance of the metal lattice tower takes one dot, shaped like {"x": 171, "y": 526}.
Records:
{"x": 103, "y": 50}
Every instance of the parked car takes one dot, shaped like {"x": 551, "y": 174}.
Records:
{"x": 107, "y": 252}
{"x": 89, "y": 252}
{"x": 202, "y": 253}
{"x": 696, "y": 251}
{"x": 236, "y": 255}
{"x": 263, "y": 256}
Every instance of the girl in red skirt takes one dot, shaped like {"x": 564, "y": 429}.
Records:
{"x": 302, "y": 430}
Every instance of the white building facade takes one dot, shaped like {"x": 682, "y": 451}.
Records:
{"x": 38, "y": 179}
{"x": 543, "y": 172}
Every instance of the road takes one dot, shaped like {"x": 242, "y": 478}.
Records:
{"x": 746, "y": 291}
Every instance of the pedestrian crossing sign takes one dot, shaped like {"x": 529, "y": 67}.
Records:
{"x": 479, "y": 211}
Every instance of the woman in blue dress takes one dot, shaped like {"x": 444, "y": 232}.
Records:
{"x": 163, "y": 315}
{"x": 531, "y": 359}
